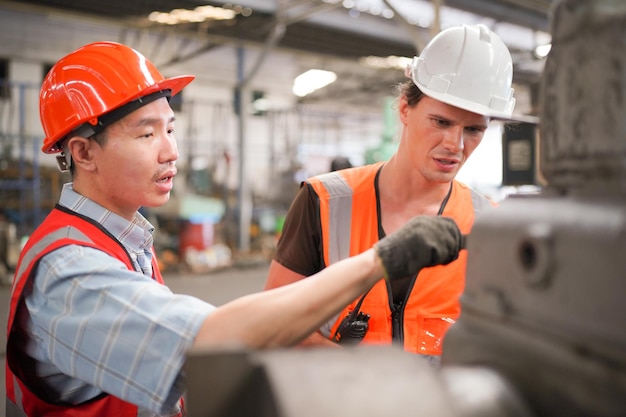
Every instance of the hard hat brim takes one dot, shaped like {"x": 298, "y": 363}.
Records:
{"x": 174, "y": 84}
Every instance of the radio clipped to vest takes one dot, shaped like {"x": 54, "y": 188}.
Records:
{"x": 353, "y": 327}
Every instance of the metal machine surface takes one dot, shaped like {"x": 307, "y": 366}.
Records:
{"x": 543, "y": 328}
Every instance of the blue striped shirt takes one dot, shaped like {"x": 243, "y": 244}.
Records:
{"x": 94, "y": 326}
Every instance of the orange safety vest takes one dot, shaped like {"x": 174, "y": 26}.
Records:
{"x": 60, "y": 228}
{"x": 349, "y": 222}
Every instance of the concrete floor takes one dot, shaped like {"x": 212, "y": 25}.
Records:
{"x": 215, "y": 287}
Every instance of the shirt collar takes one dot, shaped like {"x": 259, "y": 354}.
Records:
{"x": 136, "y": 235}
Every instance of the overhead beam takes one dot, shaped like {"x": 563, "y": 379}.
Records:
{"x": 531, "y": 14}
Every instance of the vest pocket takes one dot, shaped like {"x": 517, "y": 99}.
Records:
{"x": 431, "y": 331}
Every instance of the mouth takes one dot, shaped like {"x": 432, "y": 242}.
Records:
{"x": 166, "y": 177}
{"x": 447, "y": 162}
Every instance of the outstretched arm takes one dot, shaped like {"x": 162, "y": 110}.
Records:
{"x": 286, "y": 315}
{"x": 279, "y": 276}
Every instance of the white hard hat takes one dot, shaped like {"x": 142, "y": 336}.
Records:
{"x": 467, "y": 67}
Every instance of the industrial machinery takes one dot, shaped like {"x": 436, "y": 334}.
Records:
{"x": 543, "y": 327}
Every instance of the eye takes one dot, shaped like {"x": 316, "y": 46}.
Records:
{"x": 170, "y": 131}
{"x": 474, "y": 130}
{"x": 440, "y": 122}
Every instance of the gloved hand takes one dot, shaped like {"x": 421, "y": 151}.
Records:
{"x": 424, "y": 241}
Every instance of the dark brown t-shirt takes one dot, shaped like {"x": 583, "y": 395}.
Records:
{"x": 300, "y": 245}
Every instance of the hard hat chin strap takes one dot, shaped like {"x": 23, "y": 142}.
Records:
{"x": 64, "y": 161}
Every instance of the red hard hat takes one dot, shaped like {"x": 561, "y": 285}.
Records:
{"x": 91, "y": 82}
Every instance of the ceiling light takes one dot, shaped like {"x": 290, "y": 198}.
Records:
{"x": 312, "y": 80}
{"x": 389, "y": 62}
{"x": 542, "y": 51}
{"x": 197, "y": 15}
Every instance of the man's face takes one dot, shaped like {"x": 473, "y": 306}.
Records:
{"x": 439, "y": 138}
{"x": 136, "y": 165}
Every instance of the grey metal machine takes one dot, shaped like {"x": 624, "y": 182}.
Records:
{"x": 543, "y": 327}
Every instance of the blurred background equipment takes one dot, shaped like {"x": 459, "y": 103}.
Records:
{"x": 340, "y": 162}
{"x": 388, "y": 145}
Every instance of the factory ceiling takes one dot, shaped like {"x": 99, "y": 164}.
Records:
{"x": 345, "y": 29}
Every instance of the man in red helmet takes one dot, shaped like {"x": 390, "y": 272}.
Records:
{"x": 92, "y": 331}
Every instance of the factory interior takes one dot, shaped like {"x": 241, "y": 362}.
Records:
{"x": 543, "y": 327}
{"x": 239, "y": 170}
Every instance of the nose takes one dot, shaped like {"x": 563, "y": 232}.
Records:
{"x": 169, "y": 148}
{"x": 454, "y": 140}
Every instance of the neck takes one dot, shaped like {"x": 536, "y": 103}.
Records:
{"x": 407, "y": 188}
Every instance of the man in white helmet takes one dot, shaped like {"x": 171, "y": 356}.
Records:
{"x": 461, "y": 80}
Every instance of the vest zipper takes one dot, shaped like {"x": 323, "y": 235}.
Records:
{"x": 397, "y": 323}
{"x": 397, "y": 311}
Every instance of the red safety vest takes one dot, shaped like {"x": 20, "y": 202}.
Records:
{"x": 60, "y": 228}
{"x": 349, "y": 222}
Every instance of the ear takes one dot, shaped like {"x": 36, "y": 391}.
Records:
{"x": 403, "y": 109}
{"x": 81, "y": 150}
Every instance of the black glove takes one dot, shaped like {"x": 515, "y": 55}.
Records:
{"x": 424, "y": 241}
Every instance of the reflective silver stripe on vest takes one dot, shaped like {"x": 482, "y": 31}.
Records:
{"x": 339, "y": 224}
{"x": 15, "y": 409}
{"x": 479, "y": 202}
{"x": 65, "y": 232}
{"x": 340, "y": 215}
